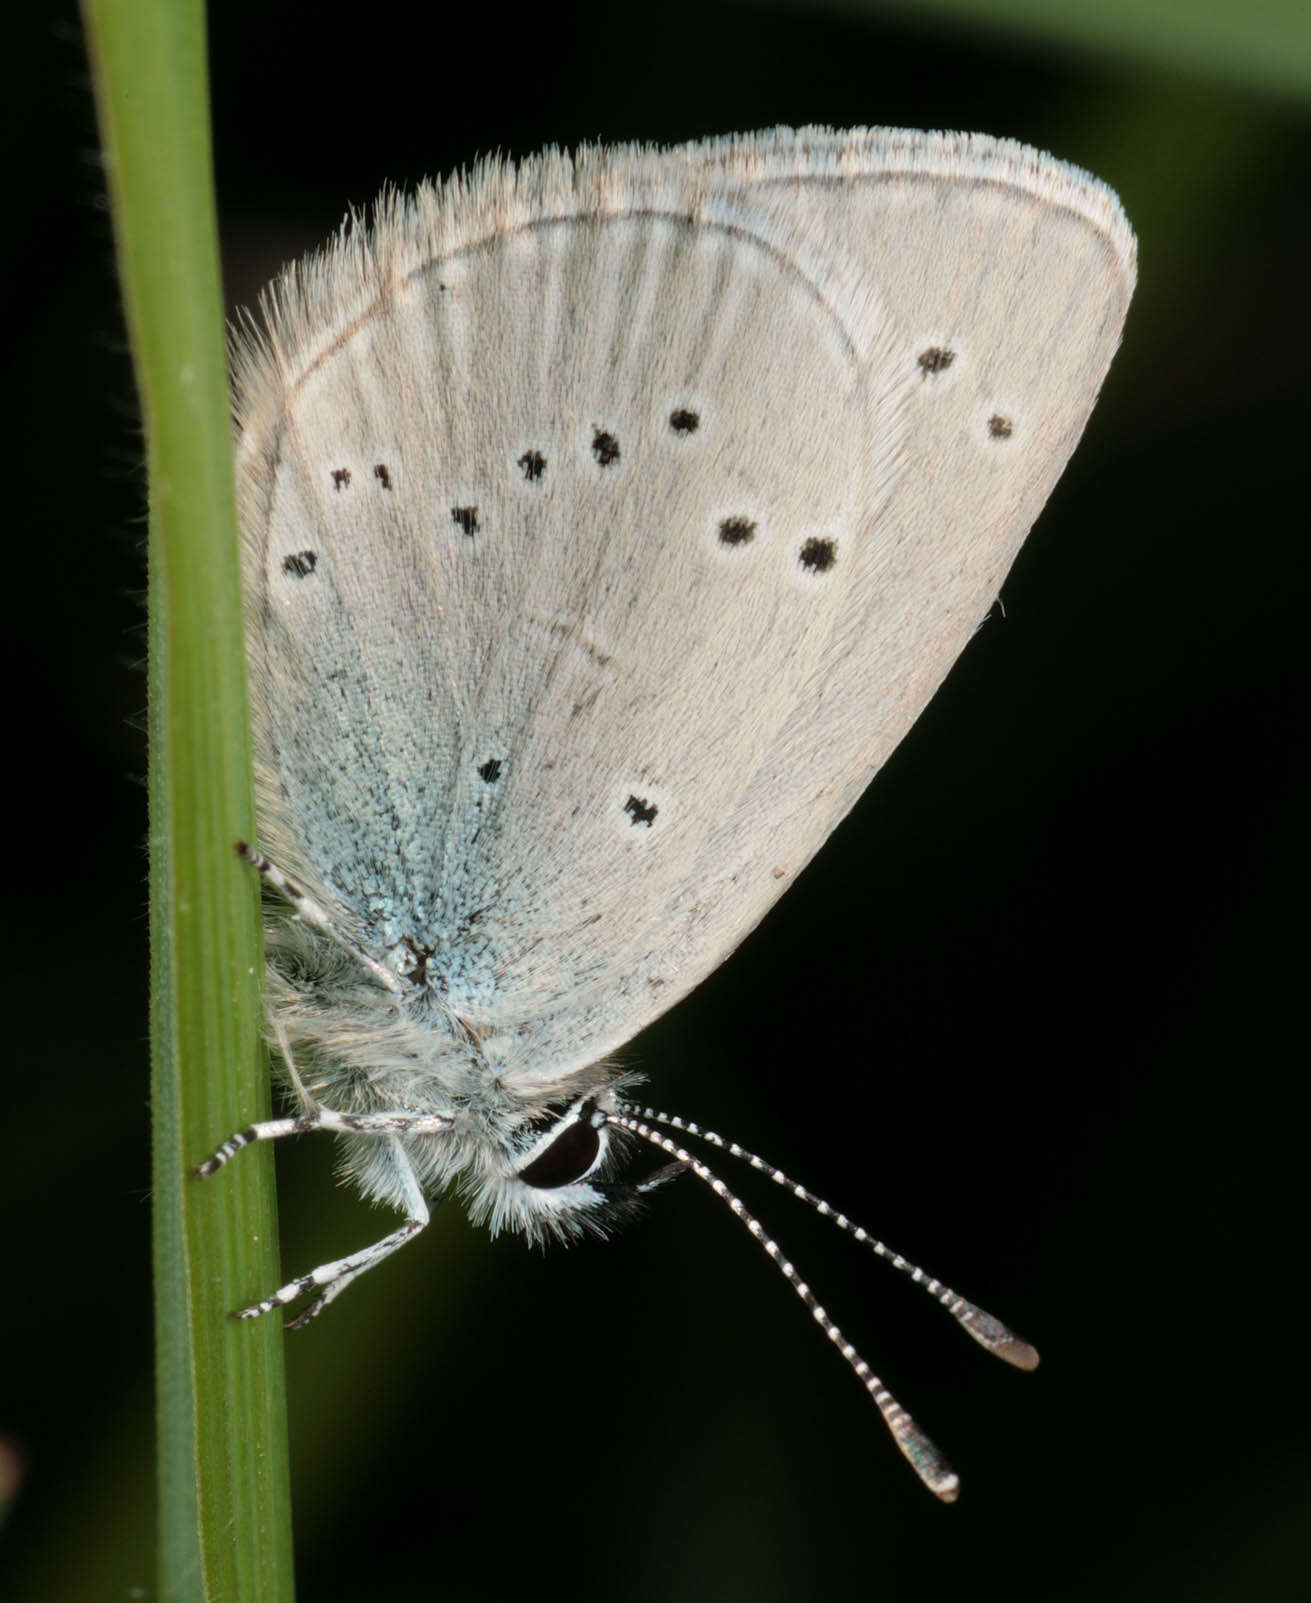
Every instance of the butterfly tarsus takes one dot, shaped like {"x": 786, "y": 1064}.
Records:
{"x": 333, "y": 1278}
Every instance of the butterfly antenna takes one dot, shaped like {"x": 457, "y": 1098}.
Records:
{"x": 923, "y": 1457}
{"x": 986, "y": 1330}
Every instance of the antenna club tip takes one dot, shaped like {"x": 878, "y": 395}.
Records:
{"x": 1019, "y": 1353}
{"x": 927, "y": 1462}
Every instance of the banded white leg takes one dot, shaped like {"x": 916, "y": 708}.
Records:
{"x": 331, "y": 1279}
{"x": 334, "y": 1277}
{"x": 394, "y": 1123}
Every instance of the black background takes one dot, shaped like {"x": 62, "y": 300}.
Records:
{"x": 1034, "y": 1015}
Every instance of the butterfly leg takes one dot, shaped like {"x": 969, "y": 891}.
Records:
{"x": 315, "y": 915}
{"x": 331, "y": 1279}
{"x": 334, "y": 1277}
{"x": 400, "y": 1122}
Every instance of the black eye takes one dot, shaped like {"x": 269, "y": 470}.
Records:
{"x": 568, "y": 1158}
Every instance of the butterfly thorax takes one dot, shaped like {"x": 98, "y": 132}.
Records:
{"x": 515, "y": 1144}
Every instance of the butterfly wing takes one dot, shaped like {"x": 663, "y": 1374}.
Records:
{"x": 608, "y": 522}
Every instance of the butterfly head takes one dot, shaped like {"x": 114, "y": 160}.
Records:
{"x": 552, "y": 1180}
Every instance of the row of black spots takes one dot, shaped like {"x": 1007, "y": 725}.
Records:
{"x": 464, "y": 518}
{"x": 605, "y": 444}
{"x": 683, "y": 422}
{"x": 532, "y": 464}
{"x": 341, "y": 477}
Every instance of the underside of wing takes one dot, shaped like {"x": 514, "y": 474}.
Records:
{"x": 608, "y": 522}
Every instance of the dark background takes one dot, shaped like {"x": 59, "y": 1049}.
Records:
{"x": 1034, "y": 1015}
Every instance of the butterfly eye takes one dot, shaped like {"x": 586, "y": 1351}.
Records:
{"x": 567, "y": 1158}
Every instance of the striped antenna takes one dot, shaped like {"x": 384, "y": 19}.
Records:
{"x": 985, "y": 1329}
{"x": 923, "y": 1457}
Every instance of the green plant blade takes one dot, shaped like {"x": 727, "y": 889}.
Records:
{"x": 224, "y": 1499}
